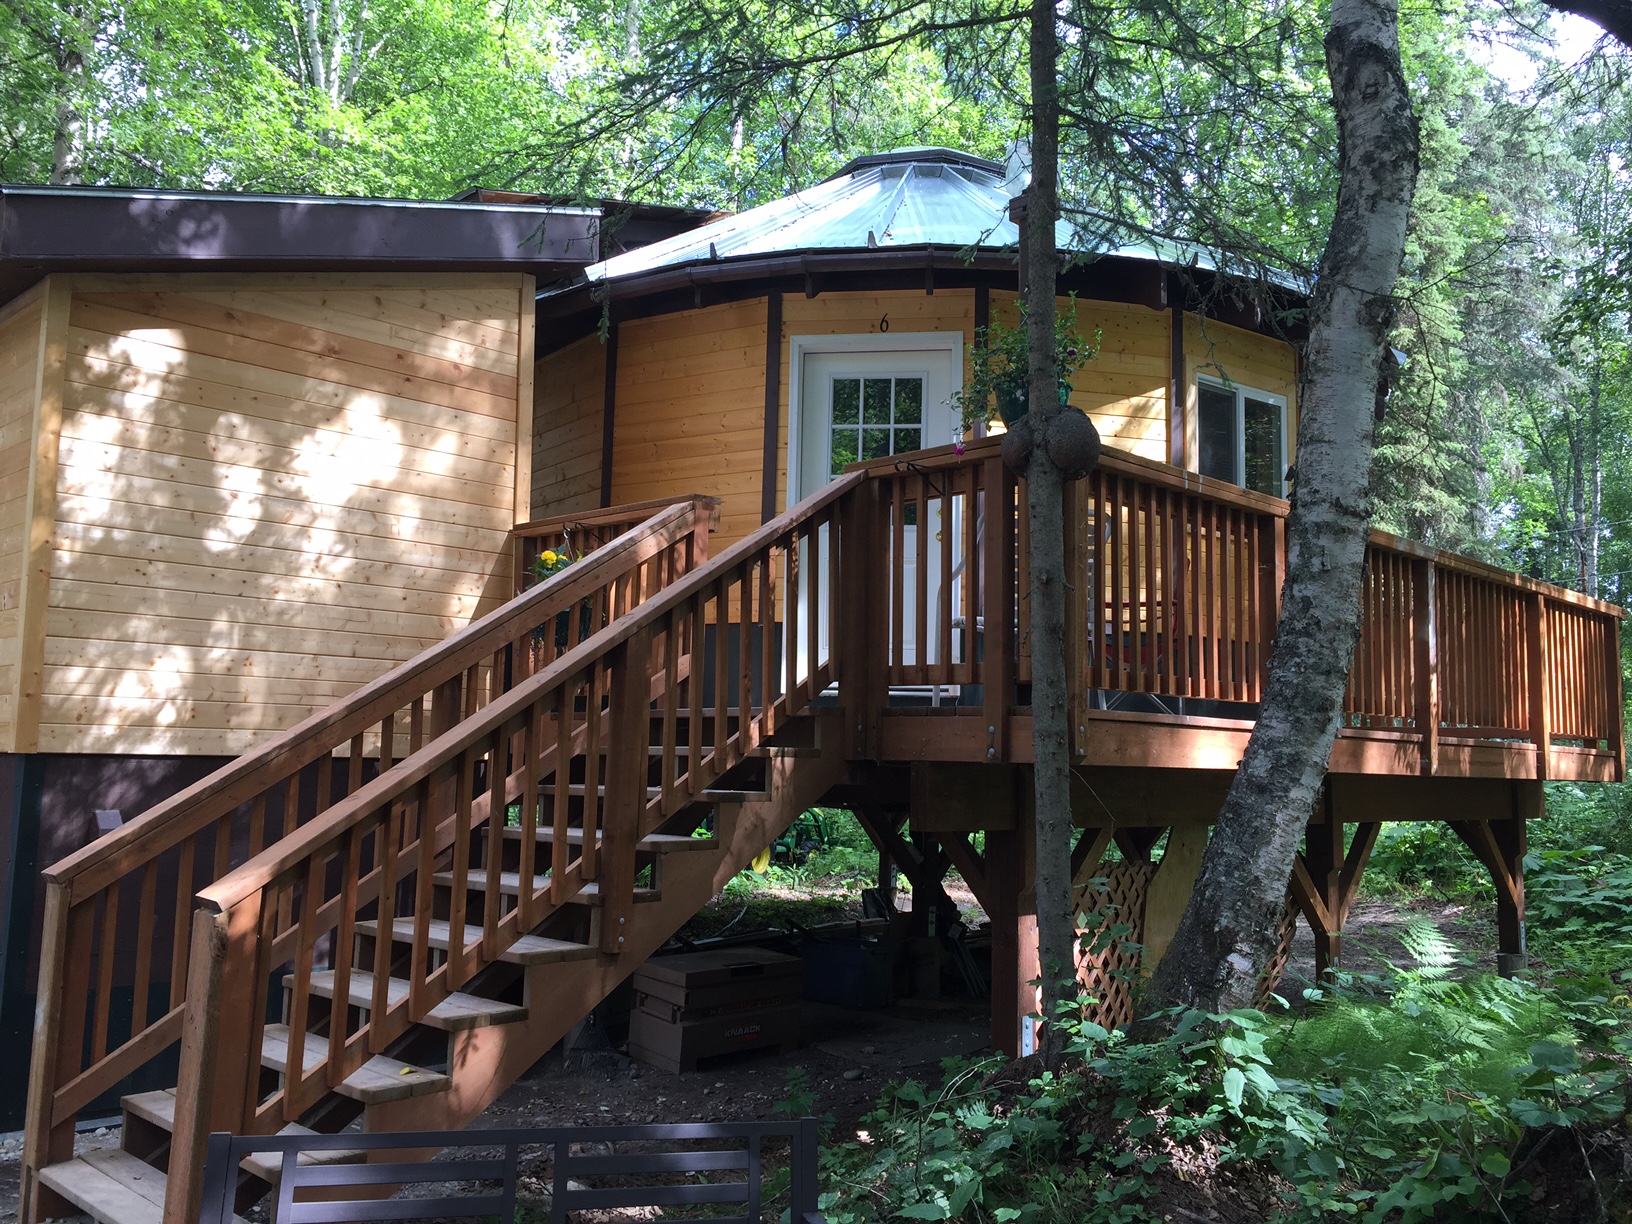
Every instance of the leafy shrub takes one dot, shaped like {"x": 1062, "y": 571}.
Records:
{"x": 1408, "y": 1098}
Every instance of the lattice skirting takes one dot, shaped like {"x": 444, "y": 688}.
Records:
{"x": 1108, "y": 963}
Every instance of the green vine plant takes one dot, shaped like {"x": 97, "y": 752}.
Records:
{"x": 998, "y": 361}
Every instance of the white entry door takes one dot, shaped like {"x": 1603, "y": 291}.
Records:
{"x": 870, "y": 397}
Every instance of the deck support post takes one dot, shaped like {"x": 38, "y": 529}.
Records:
{"x": 1013, "y": 913}
{"x": 1501, "y": 846}
{"x": 1326, "y": 880}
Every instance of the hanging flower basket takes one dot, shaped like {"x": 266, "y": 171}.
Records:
{"x": 1013, "y": 402}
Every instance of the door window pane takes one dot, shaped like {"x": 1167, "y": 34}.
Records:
{"x": 1262, "y": 446}
{"x": 909, "y": 401}
{"x": 847, "y": 401}
{"x": 875, "y": 401}
{"x": 874, "y": 418}
{"x": 1215, "y": 431}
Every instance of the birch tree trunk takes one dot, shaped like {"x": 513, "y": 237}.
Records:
{"x": 1217, "y": 956}
{"x": 68, "y": 137}
{"x": 1045, "y": 486}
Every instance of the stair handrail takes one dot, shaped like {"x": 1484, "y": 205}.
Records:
{"x": 87, "y": 891}
{"x": 274, "y": 909}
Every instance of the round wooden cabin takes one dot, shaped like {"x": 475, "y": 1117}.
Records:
{"x": 754, "y": 356}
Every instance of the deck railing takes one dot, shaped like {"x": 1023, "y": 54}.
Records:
{"x": 125, "y": 902}
{"x": 578, "y": 535}
{"x": 1173, "y": 592}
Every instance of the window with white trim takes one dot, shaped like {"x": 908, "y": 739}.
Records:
{"x": 1241, "y": 435}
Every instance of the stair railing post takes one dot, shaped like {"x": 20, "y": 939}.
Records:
{"x": 220, "y": 1043}
{"x": 627, "y": 755}
{"x": 862, "y": 637}
{"x": 1425, "y": 660}
{"x": 1537, "y": 650}
{"x": 65, "y": 975}
{"x": 997, "y": 574}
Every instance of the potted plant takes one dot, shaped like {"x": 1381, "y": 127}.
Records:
{"x": 546, "y": 565}
{"x": 998, "y": 364}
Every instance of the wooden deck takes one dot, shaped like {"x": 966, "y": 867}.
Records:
{"x": 875, "y": 630}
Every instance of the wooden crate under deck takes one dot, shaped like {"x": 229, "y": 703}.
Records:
{"x": 699, "y": 1005}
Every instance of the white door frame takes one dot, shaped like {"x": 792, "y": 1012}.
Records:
{"x": 866, "y": 342}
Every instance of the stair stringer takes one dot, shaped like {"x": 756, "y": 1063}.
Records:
{"x": 484, "y": 1062}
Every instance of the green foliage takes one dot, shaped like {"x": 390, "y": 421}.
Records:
{"x": 999, "y": 357}
{"x": 1417, "y": 1096}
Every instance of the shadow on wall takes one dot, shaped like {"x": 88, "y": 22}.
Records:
{"x": 247, "y": 529}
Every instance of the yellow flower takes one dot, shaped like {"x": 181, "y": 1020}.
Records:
{"x": 550, "y": 557}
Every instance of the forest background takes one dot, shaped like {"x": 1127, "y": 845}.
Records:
{"x": 1507, "y": 435}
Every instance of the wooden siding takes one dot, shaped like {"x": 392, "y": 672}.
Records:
{"x": 569, "y": 390}
{"x": 19, "y": 394}
{"x": 271, "y": 489}
{"x": 690, "y": 411}
{"x": 1124, "y": 389}
{"x": 1218, "y": 350}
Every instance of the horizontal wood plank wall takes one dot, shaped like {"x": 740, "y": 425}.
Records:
{"x": 691, "y": 411}
{"x": 1218, "y": 350}
{"x": 19, "y": 390}
{"x": 568, "y": 386}
{"x": 271, "y": 489}
{"x": 1124, "y": 389}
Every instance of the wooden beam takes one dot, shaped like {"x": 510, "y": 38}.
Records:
{"x": 970, "y": 866}
{"x": 1136, "y": 844}
{"x": 773, "y": 404}
{"x": 40, "y": 512}
{"x": 526, "y": 339}
{"x": 1087, "y": 853}
{"x": 1354, "y": 866}
{"x": 1177, "y": 390}
{"x": 609, "y": 403}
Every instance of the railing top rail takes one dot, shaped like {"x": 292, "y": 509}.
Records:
{"x": 1494, "y": 573}
{"x": 944, "y": 458}
{"x": 1121, "y": 463}
{"x": 168, "y": 822}
{"x": 631, "y": 512}
{"x": 287, "y": 852}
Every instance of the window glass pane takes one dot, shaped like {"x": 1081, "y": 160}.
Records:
{"x": 875, "y": 401}
{"x": 907, "y": 440}
{"x": 1263, "y": 449}
{"x": 875, "y": 443}
{"x": 1215, "y": 432}
{"x": 845, "y": 450}
{"x": 909, "y": 401}
{"x": 846, "y": 401}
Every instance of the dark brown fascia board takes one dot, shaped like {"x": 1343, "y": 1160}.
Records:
{"x": 63, "y": 229}
{"x": 567, "y": 314}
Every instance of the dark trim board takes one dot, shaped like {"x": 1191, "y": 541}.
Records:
{"x": 609, "y": 404}
{"x": 773, "y": 403}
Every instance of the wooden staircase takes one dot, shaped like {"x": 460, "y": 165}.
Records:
{"x": 402, "y": 953}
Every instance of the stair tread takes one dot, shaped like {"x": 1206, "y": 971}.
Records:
{"x": 527, "y": 950}
{"x": 510, "y": 886}
{"x": 457, "y": 1011}
{"x": 111, "y": 1186}
{"x": 378, "y": 1080}
{"x": 159, "y": 1108}
{"x": 655, "y": 843}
